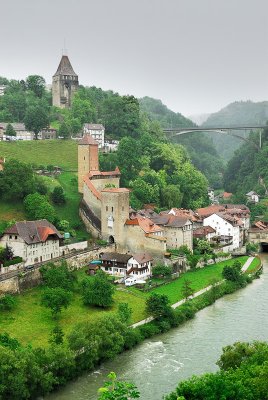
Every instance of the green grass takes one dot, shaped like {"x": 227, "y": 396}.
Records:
{"x": 32, "y": 323}
{"x": 255, "y": 264}
{"x": 42, "y": 152}
{"x": 199, "y": 279}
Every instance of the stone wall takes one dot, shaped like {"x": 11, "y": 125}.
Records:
{"x": 26, "y": 279}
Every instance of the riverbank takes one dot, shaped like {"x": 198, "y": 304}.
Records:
{"x": 159, "y": 363}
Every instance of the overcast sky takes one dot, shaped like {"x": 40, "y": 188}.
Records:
{"x": 197, "y": 56}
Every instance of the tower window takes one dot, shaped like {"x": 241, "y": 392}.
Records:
{"x": 84, "y": 158}
{"x": 106, "y": 208}
{"x": 123, "y": 208}
{"x": 112, "y": 209}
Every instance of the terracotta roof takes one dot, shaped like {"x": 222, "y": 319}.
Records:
{"x": 116, "y": 190}
{"x": 142, "y": 257}
{"x": 88, "y": 139}
{"x": 227, "y": 195}
{"x": 203, "y": 231}
{"x": 145, "y": 224}
{"x": 34, "y": 231}
{"x": 152, "y": 236}
{"x": 228, "y": 208}
{"x": 65, "y": 67}
{"x": 93, "y": 174}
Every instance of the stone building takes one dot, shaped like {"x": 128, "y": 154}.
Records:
{"x": 64, "y": 84}
{"x": 105, "y": 206}
{"x": 96, "y": 131}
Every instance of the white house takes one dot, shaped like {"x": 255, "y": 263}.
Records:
{"x": 253, "y": 197}
{"x": 140, "y": 265}
{"x": 96, "y": 131}
{"x": 227, "y": 229}
{"x": 33, "y": 241}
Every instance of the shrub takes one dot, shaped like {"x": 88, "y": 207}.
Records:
{"x": 7, "y": 302}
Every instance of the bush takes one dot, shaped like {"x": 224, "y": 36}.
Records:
{"x": 15, "y": 260}
{"x": 7, "y": 303}
{"x": 161, "y": 270}
{"x": 148, "y": 330}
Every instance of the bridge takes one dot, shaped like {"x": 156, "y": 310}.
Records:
{"x": 172, "y": 132}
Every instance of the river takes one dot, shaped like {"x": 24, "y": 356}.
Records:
{"x": 158, "y": 364}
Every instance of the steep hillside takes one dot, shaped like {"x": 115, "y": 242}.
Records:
{"x": 248, "y": 168}
{"x": 237, "y": 113}
{"x": 200, "y": 147}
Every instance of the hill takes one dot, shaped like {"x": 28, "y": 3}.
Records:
{"x": 237, "y": 113}
{"x": 199, "y": 146}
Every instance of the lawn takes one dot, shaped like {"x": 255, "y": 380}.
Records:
{"x": 199, "y": 279}
{"x": 32, "y": 323}
{"x": 255, "y": 263}
{"x": 42, "y": 152}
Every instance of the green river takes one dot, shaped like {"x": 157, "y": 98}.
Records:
{"x": 158, "y": 364}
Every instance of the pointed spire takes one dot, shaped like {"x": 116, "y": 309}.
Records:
{"x": 65, "y": 67}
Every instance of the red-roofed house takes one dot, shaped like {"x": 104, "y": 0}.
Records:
{"x": 33, "y": 241}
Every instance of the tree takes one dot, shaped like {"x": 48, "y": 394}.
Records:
{"x": 10, "y": 131}
{"x": 55, "y": 276}
{"x": 64, "y": 131}
{"x": 36, "y": 119}
{"x": 192, "y": 260}
{"x": 158, "y": 306}
{"x": 16, "y": 180}
{"x": 203, "y": 246}
{"x": 162, "y": 270}
{"x": 98, "y": 291}
{"x": 36, "y": 84}
{"x": 233, "y": 272}
{"x": 187, "y": 290}
{"x": 37, "y": 207}
{"x": 124, "y": 312}
{"x": 57, "y": 335}
{"x": 56, "y": 299}
{"x": 116, "y": 390}
{"x": 58, "y": 196}
{"x": 7, "y": 302}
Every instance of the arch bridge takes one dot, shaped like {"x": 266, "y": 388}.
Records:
{"x": 232, "y": 130}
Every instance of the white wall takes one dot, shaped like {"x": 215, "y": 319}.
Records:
{"x": 223, "y": 227}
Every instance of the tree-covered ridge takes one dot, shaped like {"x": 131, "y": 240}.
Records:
{"x": 248, "y": 168}
{"x": 237, "y": 113}
{"x": 158, "y": 111}
{"x": 200, "y": 148}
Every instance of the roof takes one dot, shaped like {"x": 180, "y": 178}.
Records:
{"x": 226, "y": 195}
{"x": 142, "y": 258}
{"x": 116, "y": 257}
{"x": 230, "y": 208}
{"x": 93, "y": 174}
{"x": 203, "y": 231}
{"x": 18, "y": 126}
{"x": 65, "y": 67}
{"x": 170, "y": 220}
{"x": 91, "y": 187}
{"x": 94, "y": 127}
{"x": 252, "y": 193}
{"x": 33, "y": 231}
{"x": 145, "y": 224}
{"x": 88, "y": 139}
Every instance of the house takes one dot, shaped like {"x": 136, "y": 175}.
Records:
{"x": 211, "y": 195}
{"x": 48, "y": 133}
{"x": 140, "y": 265}
{"x": 204, "y": 232}
{"x": 21, "y": 132}
{"x": 96, "y": 131}
{"x": 178, "y": 229}
{"x": 253, "y": 197}
{"x": 137, "y": 265}
{"x": 227, "y": 229}
{"x": 2, "y": 89}
{"x": 115, "y": 263}
{"x": 33, "y": 241}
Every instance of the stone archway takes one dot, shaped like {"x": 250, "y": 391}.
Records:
{"x": 111, "y": 239}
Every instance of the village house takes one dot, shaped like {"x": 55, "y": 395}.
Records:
{"x": 33, "y": 241}
{"x": 204, "y": 232}
{"x": 227, "y": 229}
{"x": 136, "y": 265}
{"x": 253, "y": 197}
{"x": 96, "y": 131}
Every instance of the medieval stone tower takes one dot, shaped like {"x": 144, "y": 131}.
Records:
{"x": 88, "y": 159}
{"x": 64, "y": 84}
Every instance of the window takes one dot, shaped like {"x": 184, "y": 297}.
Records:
{"x": 106, "y": 208}
{"x": 112, "y": 209}
{"x": 16, "y": 237}
{"x": 10, "y": 236}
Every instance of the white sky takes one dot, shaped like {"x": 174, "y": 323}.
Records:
{"x": 197, "y": 56}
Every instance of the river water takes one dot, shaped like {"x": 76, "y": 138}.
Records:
{"x": 158, "y": 364}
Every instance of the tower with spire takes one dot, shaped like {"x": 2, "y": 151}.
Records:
{"x": 64, "y": 84}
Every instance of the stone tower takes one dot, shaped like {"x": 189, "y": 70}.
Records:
{"x": 64, "y": 84}
{"x": 114, "y": 213}
{"x": 88, "y": 159}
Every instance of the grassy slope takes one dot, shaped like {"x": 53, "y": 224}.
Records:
{"x": 32, "y": 323}
{"x": 42, "y": 152}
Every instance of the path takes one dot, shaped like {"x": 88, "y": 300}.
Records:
{"x": 196, "y": 294}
